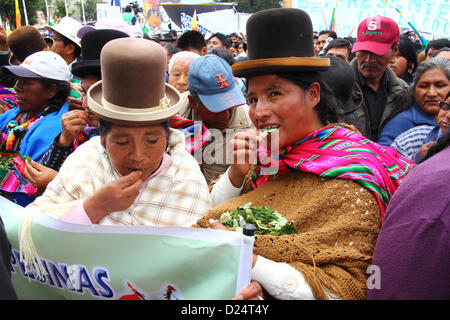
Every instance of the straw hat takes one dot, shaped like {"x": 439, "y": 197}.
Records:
{"x": 133, "y": 88}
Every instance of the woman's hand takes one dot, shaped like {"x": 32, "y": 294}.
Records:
{"x": 243, "y": 146}
{"x": 75, "y": 103}
{"x": 115, "y": 196}
{"x": 38, "y": 175}
{"x": 425, "y": 148}
{"x": 252, "y": 292}
{"x": 215, "y": 224}
{"x": 72, "y": 122}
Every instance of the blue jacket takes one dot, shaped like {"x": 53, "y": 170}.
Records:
{"x": 41, "y": 135}
{"x": 405, "y": 120}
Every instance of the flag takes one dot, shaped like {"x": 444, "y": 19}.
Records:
{"x": 50, "y": 19}
{"x": 97, "y": 262}
{"x": 421, "y": 38}
{"x": 333, "y": 19}
{"x": 351, "y": 31}
{"x": 194, "y": 25}
{"x": 18, "y": 17}
{"x": 7, "y": 27}
{"x": 115, "y": 3}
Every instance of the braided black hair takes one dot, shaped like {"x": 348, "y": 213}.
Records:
{"x": 62, "y": 92}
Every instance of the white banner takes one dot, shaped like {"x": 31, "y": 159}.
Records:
{"x": 220, "y": 21}
{"x": 127, "y": 262}
{"x": 429, "y": 17}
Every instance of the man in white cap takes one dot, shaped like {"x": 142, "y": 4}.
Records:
{"x": 67, "y": 44}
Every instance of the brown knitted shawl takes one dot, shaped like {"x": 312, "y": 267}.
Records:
{"x": 337, "y": 222}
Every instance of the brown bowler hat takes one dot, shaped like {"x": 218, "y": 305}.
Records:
{"x": 133, "y": 88}
{"x": 279, "y": 40}
{"x": 23, "y": 42}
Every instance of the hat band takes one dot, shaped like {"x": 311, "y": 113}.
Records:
{"x": 286, "y": 61}
{"x": 163, "y": 104}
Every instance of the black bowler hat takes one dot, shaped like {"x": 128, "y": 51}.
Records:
{"x": 91, "y": 46}
{"x": 279, "y": 40}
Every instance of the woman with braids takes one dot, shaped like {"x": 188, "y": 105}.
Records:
{"x": 41, "y": 88}
{"x": 333, "y": 183}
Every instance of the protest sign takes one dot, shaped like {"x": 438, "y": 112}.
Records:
{"x": 428, "y": 16}
{"x": 128, "y": 263}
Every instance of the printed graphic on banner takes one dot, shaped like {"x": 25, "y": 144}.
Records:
{"x": 152, "y": 13}
{"x": 88, "y": 262}
{"x": 186, "y": 23}
{"x": 166, "y": 292}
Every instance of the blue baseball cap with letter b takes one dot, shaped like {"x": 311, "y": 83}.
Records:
{"x": 211, "y": 78}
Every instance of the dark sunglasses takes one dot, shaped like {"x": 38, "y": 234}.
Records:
{"x": 56, "y": 38}
{"x": 444, "y": 105}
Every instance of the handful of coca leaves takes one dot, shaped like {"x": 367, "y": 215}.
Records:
{"x": 6, "y": 162}
{"x": 266, "y": 220}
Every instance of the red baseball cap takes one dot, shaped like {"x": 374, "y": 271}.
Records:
{"x": 376, "y": 34}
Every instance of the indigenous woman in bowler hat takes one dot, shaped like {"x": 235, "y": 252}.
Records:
{"x": 137, "y": 172}
{"x": 79, "y": 124}
{"x": 327, "y": 178}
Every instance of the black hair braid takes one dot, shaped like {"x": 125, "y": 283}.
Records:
{"x": 62, "y": 92}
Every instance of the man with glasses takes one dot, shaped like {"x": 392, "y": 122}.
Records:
{"x": 66, "y": 42}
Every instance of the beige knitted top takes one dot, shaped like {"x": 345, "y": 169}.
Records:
{"x": 337, "y": 222}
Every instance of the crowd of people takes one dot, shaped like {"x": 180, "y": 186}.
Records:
{"x": 346, "y": 137}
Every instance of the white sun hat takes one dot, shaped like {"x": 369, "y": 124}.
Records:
{"x": 68, "y": 27}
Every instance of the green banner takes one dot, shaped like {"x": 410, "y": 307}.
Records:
{"x": 128, "y": 262}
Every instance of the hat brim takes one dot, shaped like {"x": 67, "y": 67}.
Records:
{"x": 257, "y": 67}
{"x": 223, "y": 101}
{"x": 374, "y": 47}
{"x": 22, "y": 72}
{"x": 64, "y": 34}
{"x": 132, "y": 116}
{"x": 13, "y": 60}
{"x": 85, "y": 67}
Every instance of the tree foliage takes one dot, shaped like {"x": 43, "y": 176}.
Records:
{"x": 60, "y": 9}
{"x": 90, "y": 9}
{"x": 8, "y": 10}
